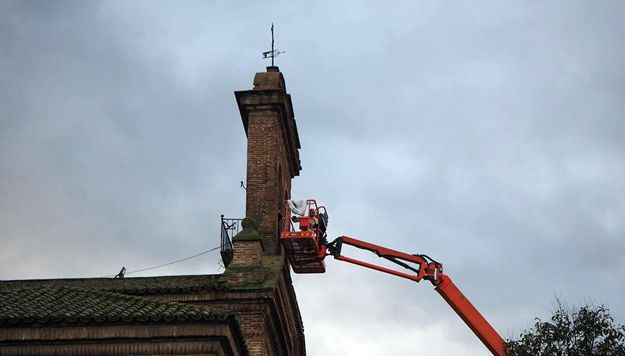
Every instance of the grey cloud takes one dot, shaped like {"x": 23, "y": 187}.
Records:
{"x": 488, "y": 136}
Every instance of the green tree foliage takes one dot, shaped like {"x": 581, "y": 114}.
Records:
{"x": 588, "y": 330}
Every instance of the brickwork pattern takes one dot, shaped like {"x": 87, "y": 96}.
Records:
{"x": 248, "y": 253}
{"x": 261, "y": 164}
{"x": 268, "y": 183}
{"x": 272, "y": 160}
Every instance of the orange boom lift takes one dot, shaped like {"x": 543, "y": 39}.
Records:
{"x": 306, "y": 248}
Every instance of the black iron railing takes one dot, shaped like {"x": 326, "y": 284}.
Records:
{"x": 229, "y": 228}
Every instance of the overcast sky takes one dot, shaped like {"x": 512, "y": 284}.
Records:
{"x": 488, "y": 135}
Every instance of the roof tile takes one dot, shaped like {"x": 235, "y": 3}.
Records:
{"x": 134, "y": 285}
{"x": 60, "y": 304}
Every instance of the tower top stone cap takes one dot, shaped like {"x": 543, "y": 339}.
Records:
{"x": 272, "y": 79}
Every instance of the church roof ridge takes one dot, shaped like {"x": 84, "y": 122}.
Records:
{"x": 129, "y": 285}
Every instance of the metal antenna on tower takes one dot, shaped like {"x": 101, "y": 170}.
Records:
{"x": 274, "y": 52}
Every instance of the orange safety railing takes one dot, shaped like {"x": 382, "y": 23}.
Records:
{"x": 305, "y": 245}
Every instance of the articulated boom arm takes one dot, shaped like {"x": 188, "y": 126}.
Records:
{"x": 306, "y": 247}
{"x": 423, "y": 267}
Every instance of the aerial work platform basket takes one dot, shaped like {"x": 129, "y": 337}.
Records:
{"x": 305, "y": 243}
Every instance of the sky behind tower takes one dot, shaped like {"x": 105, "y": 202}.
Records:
{"x": 488, "y": 135}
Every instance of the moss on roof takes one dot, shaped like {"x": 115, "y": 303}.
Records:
{"x": 61, "y": 305}
{"x": 99, "y": 300}
{"x": 132, "y": 285}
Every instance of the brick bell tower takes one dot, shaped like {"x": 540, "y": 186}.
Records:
{"x": 272, "y": 153}
{"x": 259, "y": 289}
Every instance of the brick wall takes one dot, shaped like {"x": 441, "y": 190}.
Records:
{"x": 263, "y": 159}
{"x": 248, "y": 253}
{"x": 272, "y": 153}
{"x": 268, "y": 316}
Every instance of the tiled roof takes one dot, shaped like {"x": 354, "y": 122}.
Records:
{"x": 134, "y": 285}
{"x": 58, "y": 304}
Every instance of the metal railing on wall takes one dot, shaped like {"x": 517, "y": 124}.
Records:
{"x": 229, "y": 228}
